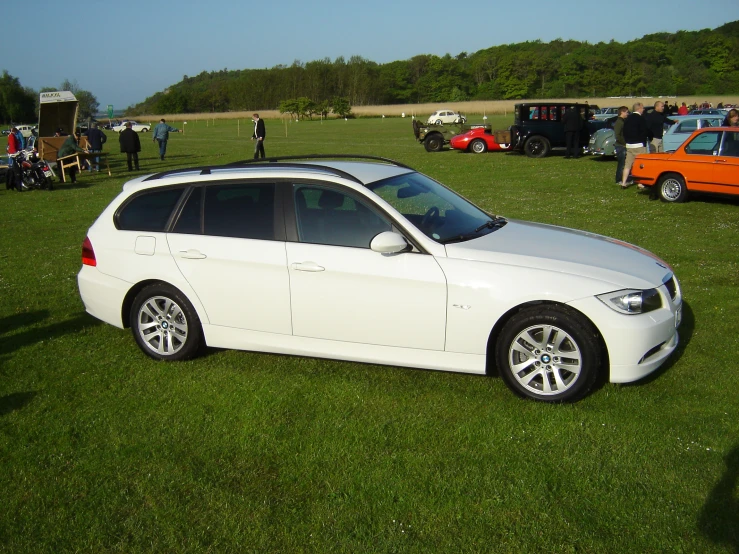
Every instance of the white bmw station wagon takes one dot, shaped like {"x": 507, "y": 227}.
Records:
{"x": 364, "y": 259}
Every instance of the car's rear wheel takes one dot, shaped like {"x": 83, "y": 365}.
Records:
{"x": 164, "y": 324}
{"x": 550, "y": 354}
{"x": 478, "y": 146}
{"x": 537, "y": 147}
{"x": 672, "y": 188}
{"x": 434, "y": 142}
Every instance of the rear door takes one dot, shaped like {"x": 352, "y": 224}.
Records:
{"x": 228, "y": 242}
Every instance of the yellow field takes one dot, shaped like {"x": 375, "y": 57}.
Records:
{"x": 491, "y": 107}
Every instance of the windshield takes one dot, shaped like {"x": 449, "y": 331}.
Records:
{"x": 437, "y": 211}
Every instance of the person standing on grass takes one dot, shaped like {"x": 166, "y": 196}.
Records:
{"x": 68, "y": 148}
{"x": 572, "y": 123}
{"x": 130, "y": 145}
{"x": 14, "y": 171}
{"x": 656, "y": 120}
{"x": 620, "y": 146}
{"x": 96, "y": 138}
{"x": 636, "y": 136}
{"x": 259, "y": 135}
{"x": 161, "y": 134}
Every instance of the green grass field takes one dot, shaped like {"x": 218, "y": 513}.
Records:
{"x": 104, "y": 450}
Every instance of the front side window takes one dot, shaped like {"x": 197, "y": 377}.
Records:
{"x": 705, "y": 144}
{"x": 439, "y": 213}
{"x": 328, "y": 216}
{"x": 148, "y": 211}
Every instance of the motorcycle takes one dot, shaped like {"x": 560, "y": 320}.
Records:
{"x": 35, "y": 173}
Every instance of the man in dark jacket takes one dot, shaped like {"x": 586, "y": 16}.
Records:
{"x": 95, "y": 138}
{"x": 572, "y": 123}
{"x": 130, "y": 145}
{"x": 656, "y": 120}
{"x": 260, "y": 133}
{"x": 636, "y": 136}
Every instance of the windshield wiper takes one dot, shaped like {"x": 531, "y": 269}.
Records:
{"x": 490, "y": 224}
{"x": 496, "y": 223}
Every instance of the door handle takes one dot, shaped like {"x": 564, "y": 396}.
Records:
{"x": 192, "y": 254}
{"x": 307, "y": 266}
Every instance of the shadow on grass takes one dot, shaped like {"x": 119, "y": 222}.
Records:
{"x": 719, "y": 517}
{"x": 15, "y": 401}
{"x": 32, "y": 334}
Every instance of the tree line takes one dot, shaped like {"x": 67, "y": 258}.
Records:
{"x": 19, "y": 104}
{"x": 679, "y": 64}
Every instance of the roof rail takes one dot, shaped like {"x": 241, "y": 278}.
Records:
{"x": 280, "y": 162}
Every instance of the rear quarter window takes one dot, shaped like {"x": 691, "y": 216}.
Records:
{"x": 148, "y": 211}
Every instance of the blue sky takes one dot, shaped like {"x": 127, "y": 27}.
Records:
{"x": 125, "y": 50}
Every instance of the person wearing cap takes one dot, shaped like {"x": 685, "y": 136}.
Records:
{"x": 130, "y": 145}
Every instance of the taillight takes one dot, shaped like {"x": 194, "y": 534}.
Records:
{"x": 88, "y": 254}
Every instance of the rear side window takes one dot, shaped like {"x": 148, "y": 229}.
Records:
{"x": 149, "y": 211}
{"x": 245, "y": 210}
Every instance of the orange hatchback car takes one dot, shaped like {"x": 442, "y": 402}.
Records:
{"x": 707, "y": 162}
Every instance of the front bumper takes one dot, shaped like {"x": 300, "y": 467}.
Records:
{"x": 637, "y": 344}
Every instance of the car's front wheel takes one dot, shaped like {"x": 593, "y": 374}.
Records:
{"x": 434, "y": 142}
{"x": 548, "y": 353}
{"x": 478, "y": 146}
{"x": 437, "y": 122}
{"x": 164, "y": 324}
{"x": 672, "y": 188}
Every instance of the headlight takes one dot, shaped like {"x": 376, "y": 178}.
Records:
{"x": 632, "y": 301}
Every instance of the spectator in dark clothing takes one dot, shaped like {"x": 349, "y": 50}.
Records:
{"x": 732, "y": 119}
{"x": 636, "y": 136}
{"x": 656, "y": 120}
{"x": 572, "y": 123}
{"x": 95, "y": 138}
{"x": 620, "y": 146}
{"x": 130, "y": 145}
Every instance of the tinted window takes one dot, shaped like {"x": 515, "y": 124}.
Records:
{"x": 189, "y": 220}
{"x": 327, "y": 216}
{"x": 243, "y": 211}
{"x": 149, "y": 211}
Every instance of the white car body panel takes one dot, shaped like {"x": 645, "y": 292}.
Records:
{"x": 138, "y": 127}
{"x": 357, "y": 295}
{"x": 224, "y": 272}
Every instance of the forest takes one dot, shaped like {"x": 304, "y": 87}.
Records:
{"x": 681, "y": 63}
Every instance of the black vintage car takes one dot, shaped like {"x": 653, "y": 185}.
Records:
{"x": 538, "y": 126}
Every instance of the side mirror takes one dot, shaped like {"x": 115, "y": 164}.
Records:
{"x": 388, "y": 243}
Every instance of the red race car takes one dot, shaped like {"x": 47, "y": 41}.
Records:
{"x": 478, "y": 141}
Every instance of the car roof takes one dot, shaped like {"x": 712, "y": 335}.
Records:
{"x": 361, "y": 172}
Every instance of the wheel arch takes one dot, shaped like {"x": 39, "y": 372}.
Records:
{"x": 491, "y": 368}
{"x": 138, "y": 287}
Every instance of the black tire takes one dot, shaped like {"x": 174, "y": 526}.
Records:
{"x": 672, "y": 188}
{"x": 165, "y": 325}
{"x": 434, "y": 142}
{"x": 557, "y": 351}
{"x": 478, "y": 146}
{"x": 537, "y": 147}
{"x": 438, "y": 122}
